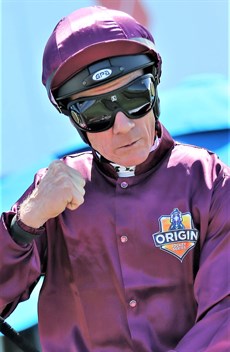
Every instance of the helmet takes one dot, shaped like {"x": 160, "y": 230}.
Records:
{"x": 89, "y": 43}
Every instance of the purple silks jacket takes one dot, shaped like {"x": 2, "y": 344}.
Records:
{"x": 142, "y": 265}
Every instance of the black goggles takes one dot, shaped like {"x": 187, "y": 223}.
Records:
{"x": 97, "y": 113}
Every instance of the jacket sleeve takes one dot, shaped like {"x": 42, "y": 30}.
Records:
{"x": 21, "y": 265}
{"x": 211, "y": 333}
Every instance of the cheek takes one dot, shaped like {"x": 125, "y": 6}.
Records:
{"x": 100, "y": 141}
{"x": 147, "y": 125}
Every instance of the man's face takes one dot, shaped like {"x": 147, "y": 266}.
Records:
{"x": 128, "y": 141}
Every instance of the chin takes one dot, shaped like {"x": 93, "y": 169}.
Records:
{"x": 133, "y": 161}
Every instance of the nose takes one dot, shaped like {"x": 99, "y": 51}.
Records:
{"x": 122, "y": 123}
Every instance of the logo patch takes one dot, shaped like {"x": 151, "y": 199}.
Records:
{"x": 177, "y": 234}
{"x": 113, "y": 98}
{"x": 102, "y": 74}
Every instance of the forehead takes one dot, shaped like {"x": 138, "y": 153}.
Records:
{"x": 107, "y": 87}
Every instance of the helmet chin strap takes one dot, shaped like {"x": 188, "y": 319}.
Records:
{"x": 156, "y": 106}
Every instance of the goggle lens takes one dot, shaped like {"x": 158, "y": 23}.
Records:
{"x": 97, "y": 113}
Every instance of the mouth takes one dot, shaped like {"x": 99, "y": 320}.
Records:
{"x": 129, "y": 145}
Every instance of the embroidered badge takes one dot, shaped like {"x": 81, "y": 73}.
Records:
{"x": 177, "y": 234}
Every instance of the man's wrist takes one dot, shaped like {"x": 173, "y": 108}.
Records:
{"x": 22, "y": 233}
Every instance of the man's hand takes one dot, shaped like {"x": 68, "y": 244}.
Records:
{"x": 62, "y": 187}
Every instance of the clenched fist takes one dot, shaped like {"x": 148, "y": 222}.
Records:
{"x": 62, "y": 187}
